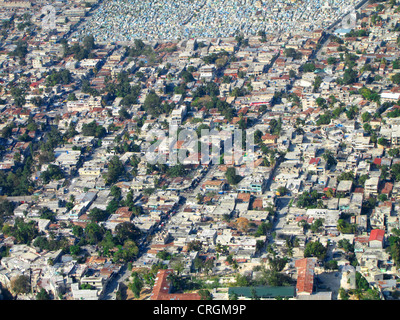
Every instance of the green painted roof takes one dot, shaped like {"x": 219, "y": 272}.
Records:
{"x": 264, "y": 291}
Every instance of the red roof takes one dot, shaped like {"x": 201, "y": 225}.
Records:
{"x": 314, "y": 160}
{"x": 162, "y": 287}
{"x": 361, "y": 239}
{"x": 377, "y": 234}
{"x": 268, "y": 136}
{"x": 245, "y": 197}
{"x": 388, "y": 187}
{"x": 377, "y": 161}
{"x": 305, "y": 278}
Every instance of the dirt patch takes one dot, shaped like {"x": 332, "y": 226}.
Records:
{"x": 144, "y": 294}
{"x": 330, "y": 281}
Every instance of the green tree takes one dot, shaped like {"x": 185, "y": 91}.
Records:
{"x": 88, "y": 42}
{"x": 205, "y": 294}
{"x": 6, "y": 211}
{"x": 344, "y": 227}
{"x": 367, "y": 128}
{"x": 43, "y": 295}
{"x": 351, "y": 112}
{"x": 194, "y": 245}
{"x": 308, "y": 199}
{"x": 361, "y": 282}
{"x": 231, "y": 176}
{"x": 94, "y": 233}
{"x": 116, "y": 192}
{"x": 396, "y": 78}
{"x": 317, "y": 225}
{"x": 331, "y": 265}
{"x": 383, "y": 141}
{"x": 292, "y": 53}
{"x": 394, "y": 152}
{"x": 263, "y": 228}
{"x": 97, "y": 215}
{"x": 23, "y": 232}
{"x": 176, "y": 171}
{"x": 242, "y": 280}
{"x": 321, "y": 102}
{"x": 72, "y": 97}
{"x": 332, "y": 60}
{"x": 366, "y": 116}
{"x": 21, "y": 50}
{"x": 233, "y": 296}
{"x": 343, "y": 294}
{"x": 349, "y": 175}
{"x": 127, "y": 252}
{"x": 361, "y": 180}
{"x": 136, "y": 285}
{"x": 254, "y": 295}
{"x": 152, "y": 104}
{"x": 282, "y": 190}
{"x": 349, "y": 76}
{"x": 53, "y": 172}
{"x": 93, "y": 129}
{"x": 77, "y": 231}
{"x": 18, "y": 93}
{"x": 187, "y": 76}
{"x": 309, "y": 67}
{"x": 75, "y": 250}
{"x": 315, "y": 249}
{"x": 324, "y": 119}
{"x": 115, "y": 170}
{"x": 20, "y": 284}
{"x": 62, "y": 76}
{"x": 163, "y": 255}
{"x": 124, "y": 114}
{"x": 127, "y": 231}
{"x": 46, "y": 213}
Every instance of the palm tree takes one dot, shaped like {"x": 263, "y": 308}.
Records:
{"x": 290, "y": 251}
{"x": 320, "y": 204}
{"x": 235, "y": 265}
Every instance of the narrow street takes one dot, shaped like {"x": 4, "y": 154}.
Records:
{"x": 123, "y": 275}
{"x": 282, "y": 205}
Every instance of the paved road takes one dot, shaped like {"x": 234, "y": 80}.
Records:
{"x": 207, "y": 176}
{"x": 20, "y": 198}
{"x": 110, "y": 292}
{"x": 112, "y": 287}
{"x": 281, "y": 211}
{"x": 281, "y": 208}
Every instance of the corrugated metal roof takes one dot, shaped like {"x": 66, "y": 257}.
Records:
{"x": 305, "y": 279}
{"x": 377, "y": 234}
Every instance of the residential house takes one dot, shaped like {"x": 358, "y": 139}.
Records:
{"x": 377, "y": 238}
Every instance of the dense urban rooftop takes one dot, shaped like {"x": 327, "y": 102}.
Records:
{"x": 173, "y": 20}
{"x": 310, "y": 212}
